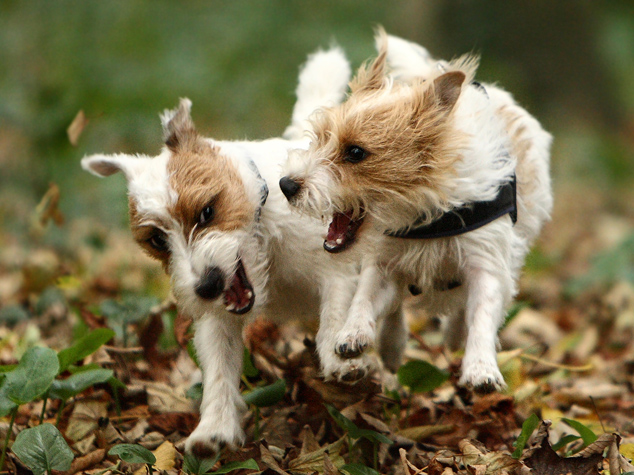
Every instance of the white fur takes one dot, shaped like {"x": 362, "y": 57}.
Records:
{"x": 322, "y": 83}
{"x": 282, "y": 253}
{"x": 487, "y": 261}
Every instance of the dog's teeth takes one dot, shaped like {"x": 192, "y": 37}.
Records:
{"x": 230, "y": 307}
{"x": 339, "y": 241}
{"x": 249, "y": 294}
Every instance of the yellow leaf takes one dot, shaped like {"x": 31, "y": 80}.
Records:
{"x": 627, "y": 451}
{"x": 165, "y": 458}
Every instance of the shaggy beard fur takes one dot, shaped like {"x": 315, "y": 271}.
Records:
{"x": 403, "y": 152}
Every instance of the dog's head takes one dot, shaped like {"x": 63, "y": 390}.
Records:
{"x": 189, "y": 208}
{"x": 384, "y": 155}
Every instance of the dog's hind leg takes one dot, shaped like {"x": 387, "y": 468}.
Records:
{"x": 322, "y": 83}
{"x": 219, "y": 349}
{"x": 392, "y": 339}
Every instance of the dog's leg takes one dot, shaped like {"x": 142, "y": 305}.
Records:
{"x": 376, "y": 295}
{"x": 392, "y": 338}
{"x": 484, "y": 313}
{"x": 219, "y": 348}
{"x": 453, "y": 327}
{"x": 337, "y": 294}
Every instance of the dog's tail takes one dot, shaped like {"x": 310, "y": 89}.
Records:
{"x": 323, "y": 81}
{"x": 407, "y": 60}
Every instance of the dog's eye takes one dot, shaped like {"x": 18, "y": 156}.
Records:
{"x": 354, "y": 154}
{"x": 206, "y": 215}
{"x": 158, "y": 241}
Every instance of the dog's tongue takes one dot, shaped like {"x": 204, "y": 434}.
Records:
{"x": 239, "y": 297}
{"x": 341, "y": 232}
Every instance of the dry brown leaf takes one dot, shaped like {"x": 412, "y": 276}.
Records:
{"x": 309, "y": 443}
{"x": 87, "y": 461}
{"x": 184, "y": 422}
{"x": 269, "y": 460}
{"x": 85, "y": 419}
{"x": 314, "y": 461}
{"x": 163, "y": 398}
{"x": 543, "y": 460}
{"x": 76, "y": 128}
{"x": 419, "y": 433}
{"x": 329, "y": 467}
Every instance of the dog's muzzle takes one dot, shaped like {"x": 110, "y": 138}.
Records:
{"x": 289, "y": 187}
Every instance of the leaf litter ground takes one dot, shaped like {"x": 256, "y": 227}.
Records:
{"x": 567, "y": 357}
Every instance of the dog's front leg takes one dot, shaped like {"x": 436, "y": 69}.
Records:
{"x": 484, "y": 313}
{"x": 337, "y": 293}
{"x": 219, "y": 349}
{"x": 376, "y": 296}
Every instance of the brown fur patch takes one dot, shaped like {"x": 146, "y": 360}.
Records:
{"x": 142, "y": 233}
{"x": 406, "y": 133}
{"x": 203, "y": 177}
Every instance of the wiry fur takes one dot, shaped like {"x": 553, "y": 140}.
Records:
{"x": 281, "y": 252}
{"x": 434, "y": 142}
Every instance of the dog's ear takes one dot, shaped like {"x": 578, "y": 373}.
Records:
{"x": 106, "y": 165}
{"x": 372, "y": 76}
{"x": 179, "y": 132}
{"x": 447, "y": 88}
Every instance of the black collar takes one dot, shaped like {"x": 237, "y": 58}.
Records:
{"x": 467, "y": 217}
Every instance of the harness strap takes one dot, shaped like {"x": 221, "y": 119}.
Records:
{"x": 466, "y": 218}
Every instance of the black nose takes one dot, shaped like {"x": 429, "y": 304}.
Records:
{"x": 211, "y": 284}
{"x": 289, "y": 187}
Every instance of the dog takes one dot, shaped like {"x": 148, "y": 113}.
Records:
{"x": 212, "y": 213}
{"x": 440, "y": 185}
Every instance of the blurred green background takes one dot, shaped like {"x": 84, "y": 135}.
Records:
{"x": 122, "y": 62}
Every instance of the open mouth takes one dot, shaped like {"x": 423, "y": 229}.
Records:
{"x": 239, "y": 297}
{"x": 342, "y": 232}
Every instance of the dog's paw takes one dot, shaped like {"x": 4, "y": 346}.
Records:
{"x": 482, "y": 377}
{"x": 208, "y": 439}
{"x": 348, "y": 370}
{"x": 352, "y": 344}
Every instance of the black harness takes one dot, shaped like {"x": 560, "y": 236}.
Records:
{"x": 466, "y": 218}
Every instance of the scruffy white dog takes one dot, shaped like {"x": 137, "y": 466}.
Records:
{"x": 441, "y": 184}
{"x": 213, "y": 213}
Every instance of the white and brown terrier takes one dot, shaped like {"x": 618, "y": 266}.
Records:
{"x": 213, "y": 213}
{"x": 440, "y": 184}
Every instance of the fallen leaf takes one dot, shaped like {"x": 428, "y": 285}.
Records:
{"x": 165, "y": 458}
{"x": 47, "y": 210}
{"x": 543, "y": 460}
{"x": 314, "y": 461}
{"x": 85, "y": 419}
{"x": 169, "y": 422}
{"x": 81, "y": 464}
{"x": 269, "y": 460}
{"x": 419, "y": 433}
{"x": 76, "y": 128}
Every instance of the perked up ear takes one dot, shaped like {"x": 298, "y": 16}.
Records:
{"x": 179, "y": 132}
{"x": 373, "y": 76}
{"x": 447, "y": 89}
{"x": 106, "y": 165}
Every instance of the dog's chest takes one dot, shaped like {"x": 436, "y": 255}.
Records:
{"x": 423, "y": 262}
